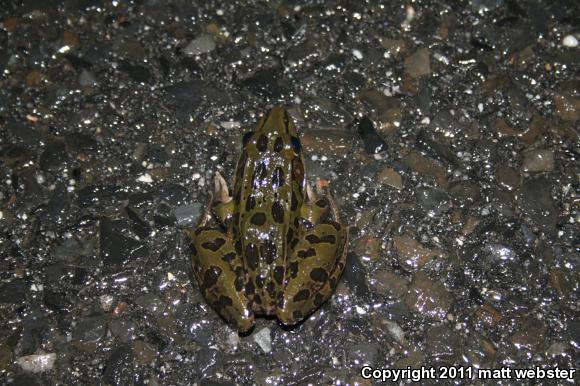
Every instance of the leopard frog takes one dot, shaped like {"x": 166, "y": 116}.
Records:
{"x": 273, "y": 247}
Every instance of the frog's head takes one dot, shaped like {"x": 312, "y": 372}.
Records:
{"x": 275, "y": 133}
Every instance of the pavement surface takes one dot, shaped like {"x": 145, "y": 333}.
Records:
{"x": 449, "y": 134}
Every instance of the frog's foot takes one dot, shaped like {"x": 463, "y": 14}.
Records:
{"x": 220, "y": 275}
{"x": 313, "y": 271}
{"x": 222, "y": 206}
{"x": 317, "y": 205}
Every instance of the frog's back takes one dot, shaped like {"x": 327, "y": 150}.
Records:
{"x": 268, "y": 194}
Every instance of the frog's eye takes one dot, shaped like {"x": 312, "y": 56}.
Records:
{"x": 296, "y": 145}
{"x": 247, "y": 137}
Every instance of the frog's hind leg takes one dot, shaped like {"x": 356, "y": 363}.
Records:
{"x": 220, "y": 275}
{"x": 313, "y": 271}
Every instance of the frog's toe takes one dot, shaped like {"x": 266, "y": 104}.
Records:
{"x": 289, "y": 316}
{"x": 241, "y": 320}
{"x": 295, "y": 307}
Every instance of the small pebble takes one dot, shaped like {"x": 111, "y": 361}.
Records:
{"x": 145, "y": 178}
{"x": 200, "y": 45}
{"x": 264, "y": 339}
{"x": 570, "y": 41}
{"x": 37, "y": 363}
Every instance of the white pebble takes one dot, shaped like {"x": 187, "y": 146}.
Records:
{"x": 570, "y": 41}
{"x": 357, "y": 54}
{"x": 37, "y": 363}
{"x": 106, "y": 302}
{"x": 145, "y": 178}
{"x": 360, "y": 310}
{"x": 263, "y": 339}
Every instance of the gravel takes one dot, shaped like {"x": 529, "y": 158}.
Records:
{"x": 449, "y": 133}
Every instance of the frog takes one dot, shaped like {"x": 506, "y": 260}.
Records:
{"x": 273, "y": 246}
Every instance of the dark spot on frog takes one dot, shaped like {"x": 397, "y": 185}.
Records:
{"x": 246, "y": 138}
{"x": 224, "y": 301}
{"x": 293, "y": 269}
{"x": 238, "y": 246}
{"x": 278, "y": 177}
{"x": 307, "y": 224}
{"x": 296, "y": 222}
{"x": 278, "y": 145}
{"x": 228, "y": 257}
{"x": 257, "y": 299}
{"x": 263, "y": 170}
{"x": 252, "y": 256}
{"x": 293, "y": 243}
{"x": 238, "y": 283}
{"x": 297, "y": 315}
{"x": 289, "y": 235}
{"x": 293, "y": 202}
{"x": 250, "y": 288}
{"x": 258, "y": 219}
{"x": 278, "y": 212}
{"x": 211, "y": 276}
{"x": 319, "y": 274}
{"x": 250, "y": 203}
{"x": 215, "y": 245}
{"x": 301, "y": 295}
{"x": 318, "y": 299}
{"x": 322, "y": 203}
{"x": 271, "y": 288}
{"x": 268, "y": 251}
{"x": 328, "y": 239}
{"x": 308, "y": 253}
{"x": 313, "y": 239}
{"x": 262, "y": 143}
{"x": 296, "y": 145}
{"x": 259, "y": 174}
{"x": 279, "y": 274}
{"x": 260, "y": 281}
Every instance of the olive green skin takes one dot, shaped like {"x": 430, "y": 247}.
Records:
{"x": 275, "y": 247}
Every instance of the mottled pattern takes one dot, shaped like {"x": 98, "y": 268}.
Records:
{"x": 274, "y": 251}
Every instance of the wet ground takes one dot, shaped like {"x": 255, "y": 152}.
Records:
{"x": 449, "y": 133}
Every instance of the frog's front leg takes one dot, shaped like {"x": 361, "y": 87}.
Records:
{"x": 221, "y": 277}
{"x": 313, "y": 270}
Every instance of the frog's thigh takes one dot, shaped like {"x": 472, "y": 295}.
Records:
{"x": 313, "y": 271}
{"x": 220, "y": 275}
